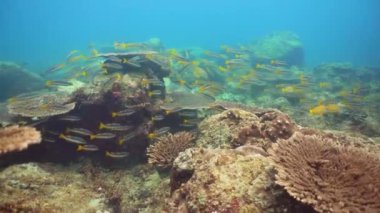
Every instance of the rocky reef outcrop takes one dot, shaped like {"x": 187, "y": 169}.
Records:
{"x": 14, "y": 80}
{"x": 282, "y": 46}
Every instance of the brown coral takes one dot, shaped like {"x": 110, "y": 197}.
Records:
{"x": 163, "y": 152}
{"x": 277, "y": 125}
{"x": 330, "y": 177}
{"x": 17, "y": 138}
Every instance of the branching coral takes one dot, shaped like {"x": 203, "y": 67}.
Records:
{"x": 17, "y": 138}
{"x": 330, "y": 177}
{"x": 163, "y": 152}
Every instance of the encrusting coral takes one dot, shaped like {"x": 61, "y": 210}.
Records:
{"x": 164, "y": 151}
{"x": 330, "y": 177}
{"x": 15, "y": 138}
{"x": 236, "y": 127}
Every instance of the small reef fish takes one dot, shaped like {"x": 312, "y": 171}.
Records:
{"x": 50, "y": 140}
{"x": 322, "y": 109}
{"x": 116, "y": 154}
{"x": 173, "y": 53}
{"x": 71, "y": 53}
{"x": 115, "y": 59}
{"x": 158, "y": 132}
{"x": 94, "y": 52}
{"x": 76, "y": 58}
{"x": 109, "y": 65}
{"x": 105, "y": 135}
{"x": 55, "y": 68}
{"x": 189, "y": 123}
{"x": 324, "y": 84}
{"x": 154, "y": 93}
{"x": 125, "y": 112}
{"x": 124, "y": 45}
{"x": 114, "y": 127}
{"x": 171, "y": 111}
{"x": 158, "y": 118}
{"x": 70, "y": 118}
{"x": 50, "y": 83}
{"x": 291, "y": 89}
{"x": 154, "y": 82}
{"x": 131, "y": 63}
{"x": 235, "y": 62}
{"x": 223, "y": 69}
{"x": 278, "y": 63}
{"x": 213, "y": 55}
{"x": 88, "y": 148}
{"x": 51, "y": 132}
{"x": 127, "y": 137}
{"x": 188, "y": 113}
{"x": 72, "y": 139}
{"x": 79, "y": 131}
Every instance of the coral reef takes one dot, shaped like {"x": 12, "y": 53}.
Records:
{"x": 15, "y": 138}
{"x": 14, "y": 80}
{"x": 163, "y": 151}
{"x": 218, "y": 131}
{"x": 37, "y": 187}
{"x": 249, "y": 125}
{"x": 226, "y": 180}
{"x": 330, "y": 177}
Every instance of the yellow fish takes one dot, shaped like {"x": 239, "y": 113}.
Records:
{"x": 324, "y": 84}
{"x": 322, "y": 109}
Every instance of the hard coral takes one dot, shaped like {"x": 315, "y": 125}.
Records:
{"x": 17, "y": 138}
{"x": 163, "y": 152}
{"x": 277, "y": 125}
{"x": 40, "y": 104}
{"x": 225, "y": 180}
{"x": 330, "y": 177}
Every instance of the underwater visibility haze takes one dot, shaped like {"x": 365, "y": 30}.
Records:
{"x": 189, "y": 106}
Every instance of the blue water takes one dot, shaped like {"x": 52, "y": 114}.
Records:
{"x": 42, "y": 32}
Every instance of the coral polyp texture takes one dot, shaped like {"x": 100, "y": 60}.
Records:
{"x": 330, "y": 177}
{"x": 15, "y": 138}
{"x": 164, "y": 151}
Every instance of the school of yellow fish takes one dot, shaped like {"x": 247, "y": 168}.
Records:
{"x": 211, "y": 73}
